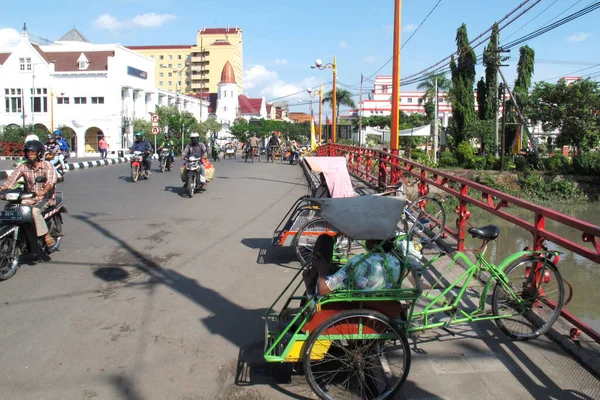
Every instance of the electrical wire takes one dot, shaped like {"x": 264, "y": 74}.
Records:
{"x": 293, "y": 94}
{"x": 532, "y": 19}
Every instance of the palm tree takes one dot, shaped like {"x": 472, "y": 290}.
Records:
{"x": 342, "y": 97}
{"x": 428, "y": 86}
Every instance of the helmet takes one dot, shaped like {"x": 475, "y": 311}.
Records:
{"x": 139, "y": 135}
{"x": 194, "y": 137}
{"x": 58, "y": 132}
{"x": 31, "y": 137}
{"x": 50, "y": 137}
{"x": 36, "y": 146}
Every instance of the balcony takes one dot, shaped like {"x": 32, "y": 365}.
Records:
{"x": 199, "y": 67}
{"x": 199, "y": 84}
{"x": 199, "y": 59}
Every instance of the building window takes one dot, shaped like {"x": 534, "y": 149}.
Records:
{"x": 160, "y": 74}
{"x": 170, "y": 74}
{"x": 179, "y": 65}
{"x": 62, "y": 100}
{"x": 161, "y": 58}
{"x": 160, "y": 83}
{"x": 224, "y": 108}
{"x": 409, "y": 100}
{"x": 170, "y": 65}
{"x": 225, "y": 93}
{"x": 170, "y": 83}
{"x": 79, "y": 100}
{"x": 161, "y": 65}
{"x": 83, "y": 64}
{"x": 170, "y": 57}
{"x": 28, "y": 62}
{"x": 440, "y": 99}
{"x": 13, "y": 104}
{"x": 179, "y": 57}
{"x": 97, "y": 100}
{"x": 22, "y": 64}
{"x": 152, "y": 57}
{"x": 187, "y": 83}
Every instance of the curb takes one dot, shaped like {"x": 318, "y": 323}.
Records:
{"x": 73, "y": 166}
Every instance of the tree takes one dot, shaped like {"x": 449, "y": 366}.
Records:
{"x": 573, "y": 108}
{"x": 176, "y": 122}
{"x": 142, "y": 125}
{"x": 525, "y": 69}
{"x": 483, "y": 131}
{"x": 491, "y": 60}
{"x": 481, "y": 99}
{"x": 342, "y": 97}
{"x": 443, "y": 84}
{"x": 461, "y": 91}
{"x": 210, "y": 127}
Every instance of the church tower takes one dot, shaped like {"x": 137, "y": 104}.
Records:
{"x": 227, "y": 100}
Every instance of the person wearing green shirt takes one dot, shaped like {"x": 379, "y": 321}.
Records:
{"x": 168, "y": 143}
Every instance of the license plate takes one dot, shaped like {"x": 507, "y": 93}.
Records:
{"x": 11, "y": 215}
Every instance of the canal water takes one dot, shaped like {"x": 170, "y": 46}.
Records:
{"x": 581, "y": 273}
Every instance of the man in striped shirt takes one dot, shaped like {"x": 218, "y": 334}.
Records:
{"x": 34, "y": 168}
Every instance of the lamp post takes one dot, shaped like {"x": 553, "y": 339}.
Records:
{"x": 333, "y": 66}
{"x": 311, "y": 95}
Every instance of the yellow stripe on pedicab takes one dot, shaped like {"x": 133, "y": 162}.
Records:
{"x": 320, "y": 348}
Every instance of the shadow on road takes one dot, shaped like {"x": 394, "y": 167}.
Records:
{"x": 268, "y": 254}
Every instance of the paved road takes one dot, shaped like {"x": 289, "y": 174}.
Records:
{"x": 157, "y": 296}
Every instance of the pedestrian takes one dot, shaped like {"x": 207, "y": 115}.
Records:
{"x": 103, "y": 147}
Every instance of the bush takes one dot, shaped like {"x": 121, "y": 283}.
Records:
{"x": 464, "y": 153}
{"x": 557, "y": 163}
{"x": 418, "y": 155}
{"x": 477, "y": 162}
{"x": 447, "y": 159}
{"x": 491, "y": 162}
{"x": 587, "y": 164}
{"x": 521, "y": 164}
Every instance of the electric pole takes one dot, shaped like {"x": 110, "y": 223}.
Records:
{"x": 435, "y": 122}
{"x": 497, "y": 97}
{"x": 360, "y": 112}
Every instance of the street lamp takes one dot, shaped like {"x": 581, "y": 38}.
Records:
{"x": 333, "y": 66}
{"x": 311, "y": 95}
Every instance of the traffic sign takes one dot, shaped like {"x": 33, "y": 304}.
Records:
{"x": 155, "y": 130}
{"x": 155, "y": 119}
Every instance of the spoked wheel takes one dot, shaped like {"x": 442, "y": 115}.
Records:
{"x": 356, "y": 354}
{"x": 305, "y": 238}
{"x": 191, "y": 185}
{"x": 9, "y": 260}
{"x": 427, "y": 219}
{"x": 135, "y": 173}
{"x": 538, "y": 294}
{"x": 163, "y": 165}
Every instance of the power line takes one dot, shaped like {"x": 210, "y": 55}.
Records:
{"x": 292, "y": 94}
{"x": 532, "y": 19}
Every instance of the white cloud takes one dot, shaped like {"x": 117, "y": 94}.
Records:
{"x": 268, "y": 84}
{"x": 409, "y": 27}
{"x": 148, "y": 20}
{"x": 281, "y": 61}
{"x": 578, "y": 37}
{"x": 9, "y": 37}
{"x": 343, "y": 44}
{"x": 370, "y": 59}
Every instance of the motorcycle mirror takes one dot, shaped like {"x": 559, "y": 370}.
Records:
{"x": 41, "y": 179}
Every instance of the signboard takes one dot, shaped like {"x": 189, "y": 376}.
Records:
{"x": 138, "y": 73}
{"x": 155, "y": 130}
{"x": 155, "y": 119}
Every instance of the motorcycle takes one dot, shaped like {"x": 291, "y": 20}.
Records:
{"x": 165, "y": 160}
{"x": 136, "y": 166}
{"x": 17, "y": 230}
{"x": 216, "y": 153}
{"x": 60, "y": 172}
{"x": 195, "y": 180}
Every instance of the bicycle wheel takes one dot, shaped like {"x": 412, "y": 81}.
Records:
{"x": 536, "y": 306}
{"x": 425, "y": 218}
{"x": 305, "y": 238}
{"x": 356, "y": 354}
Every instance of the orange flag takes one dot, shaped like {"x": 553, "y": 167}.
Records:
{"x": 327, "y": 121}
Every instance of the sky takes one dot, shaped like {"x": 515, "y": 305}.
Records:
{"x": 283, "y": 38}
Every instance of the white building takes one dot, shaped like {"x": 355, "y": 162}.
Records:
{"x": 94, "y": 89}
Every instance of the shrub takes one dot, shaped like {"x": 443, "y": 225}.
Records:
{"x": 464, "y": 153}
{"x": 521, "y": 164}
{"x": 587, "y": 164}
{"x": 447, "y": 159}
{"x": 492, "y": 162}
{"x": 477, "y": 162}
{"x": 557, "y": 163}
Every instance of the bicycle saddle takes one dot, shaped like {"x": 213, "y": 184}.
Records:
{"x": 489, "y": 232}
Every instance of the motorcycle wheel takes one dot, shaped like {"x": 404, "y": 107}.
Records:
{"x": 191, "y": 186}
{"x": 163, "y": 163}
{"x": 135, "y": 173}
{"x": 9, "y": 262}
{"x": 55, "y": 229}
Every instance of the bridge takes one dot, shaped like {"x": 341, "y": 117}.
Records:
{"x": 157, "y": 296}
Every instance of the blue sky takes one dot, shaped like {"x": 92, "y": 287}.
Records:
{"x": 282, "y": 38}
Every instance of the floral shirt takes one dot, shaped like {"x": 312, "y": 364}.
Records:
{"x": 369, "y": 274}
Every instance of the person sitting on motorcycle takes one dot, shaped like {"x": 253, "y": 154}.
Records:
{"x": 44, "y": 191}
{"x": 170, "y": 145}
{"x": 215, "y": 151}
{"x": 195, "y": 148}
{"x": 64, "y": 148}
{"x": 141, "y": 145}
{"x": 53, "y": 148}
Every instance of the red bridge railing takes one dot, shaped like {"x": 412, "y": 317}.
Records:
{"x": 381, "y": 168}
{"x": 11, "y": 149}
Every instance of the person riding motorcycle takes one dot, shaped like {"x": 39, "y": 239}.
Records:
{"x": 20, "y": 184}
{"x": 36, "y": 167}
{"x": 170, "y": 145}
{"x": 141, "y": 145}
{"x": 64, "y": 148}
{"x": 53, "y": 148}
{"x": 274, "y": 143}
{"x": 195, "y": 148}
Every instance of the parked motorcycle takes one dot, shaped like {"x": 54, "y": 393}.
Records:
{"x": 136, "y": 166}
{"x": 195, "y": 180}
{"x": 165, "y": 160}
{"x": 17, "y": 230}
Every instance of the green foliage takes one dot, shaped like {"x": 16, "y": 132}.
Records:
{"x": 491, "y": 60}
{"x": 572, "y": 108}
{"x": 373, "y": 140}
{"x": 464, "y": 153}
{"x": 492, "y": 162}
{"x": 428, "y": 86}
{"x": 210, "y": 126}
{"x": 16, "y": 134}
{"x": 525, "y": 69}
{"x": 447, "y": 159}
{"x": 481, "y": 99}
{"x": 241, "y": 129}
{"x": 484, "y": 132}
{"x": 535, "y": 185}
{"x": 142, "y": 125}
{"x": 558, "y": 164}
{"x": 343, "y": 97}
{"x": 587, "y": 164}
{"x": 418, "y": 155}
{"x": 477, "y": 162}
{"x": 521, "y": 164}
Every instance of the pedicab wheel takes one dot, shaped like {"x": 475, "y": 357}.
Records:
{"x": 360, "y": 354}
{"x": 135, "y": 173}
{"x": 305, "y": 238}
{"x": 537, "y": 306}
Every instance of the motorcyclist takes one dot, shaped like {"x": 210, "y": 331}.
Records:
{"x": 141, "y": 145}
{"x": 170, "y": 145}
{"x": 53, "y": 148}
{"x": 64, "y": 148}
{"x": 195, "y": 148}
{"x": 215, "y": 150}
{"x": 44, "y": 191}
{"x": 274, "y": 143}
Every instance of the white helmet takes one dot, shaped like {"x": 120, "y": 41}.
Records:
{"x": 31, "y": 137}
{"x": 194, "y": 134}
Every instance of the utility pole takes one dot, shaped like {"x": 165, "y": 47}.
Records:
{"x": 502, "y": 144}
{"x": 201, "y": 82}
{"x": 496, "y": 107}
{"x": 395, "y": 128}
{"x": 435, "y": 123}
{"x": 360, "y": 112}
